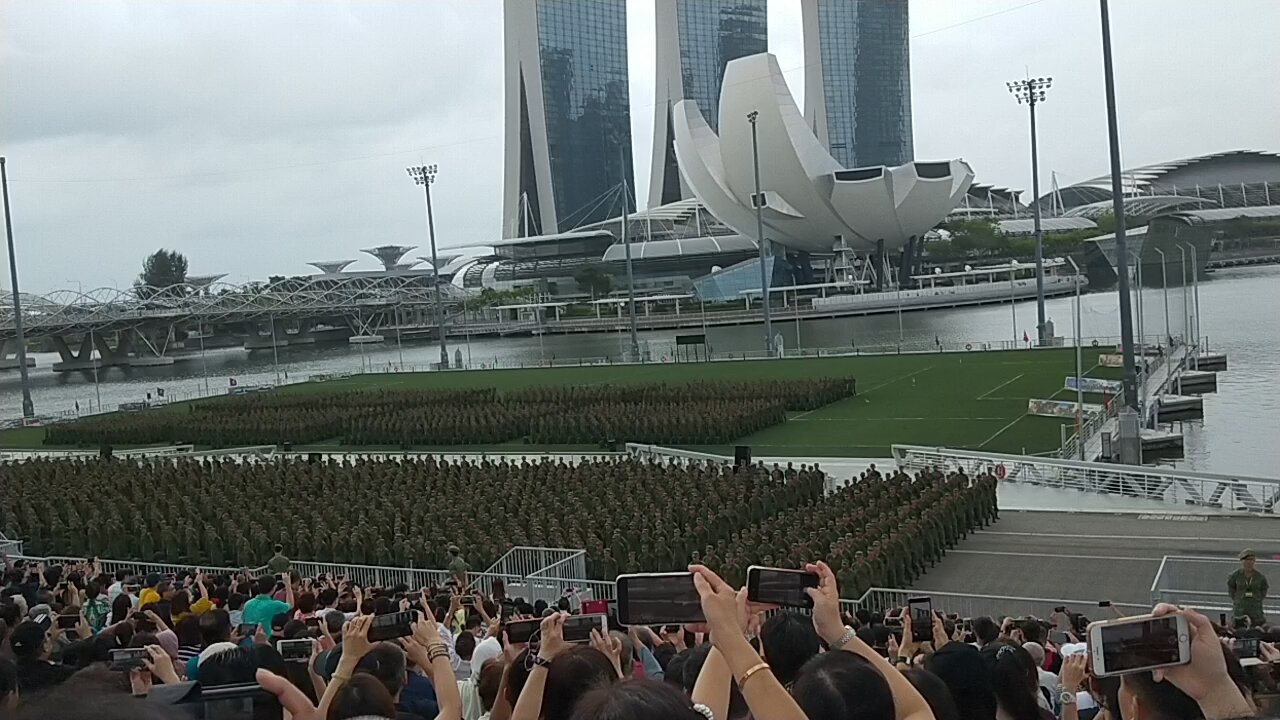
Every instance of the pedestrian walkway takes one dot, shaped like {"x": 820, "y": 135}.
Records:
{"x": 1152, "y": 384}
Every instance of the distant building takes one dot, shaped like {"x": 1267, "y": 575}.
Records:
{"x": 695, "y": 40}
{"x": 857, "y": 57}
{"x": 1239, "y": 178}
{"x": 568, "y": 119}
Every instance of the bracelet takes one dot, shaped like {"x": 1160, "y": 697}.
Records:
{"x": 751, "y": 671}
{"x": 343, "y": 677}
{"x": 845, "y": 639}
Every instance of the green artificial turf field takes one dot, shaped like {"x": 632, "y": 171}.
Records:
{"x": 959, "y": 400}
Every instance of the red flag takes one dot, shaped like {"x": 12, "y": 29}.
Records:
{"x": 1025, "y": 336}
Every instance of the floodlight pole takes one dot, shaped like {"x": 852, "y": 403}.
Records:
{"x": 1164, "y": 286}
{"x": 425, "y": 175}
{"x": 1032, "y": 92}
{"x": 1130, "y": 382}
{"x": 758, "y": 201}
{"x": 1079, "y": 363}
{"x": 631, "y": 277}
{"x": 28, "y": 408}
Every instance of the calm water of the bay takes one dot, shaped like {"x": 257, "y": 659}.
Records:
{"x": 1240, "y": 313}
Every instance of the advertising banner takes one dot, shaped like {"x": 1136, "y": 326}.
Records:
{"x": 1095, "y": 385}
{"x": 1058, "y": 408}
{"x": 1112, "y": 361}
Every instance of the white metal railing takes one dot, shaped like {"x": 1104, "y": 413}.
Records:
{"x": 1229, "y": 492}
{"x": 1202, "y": 581}
{"x": 972, "y": 605}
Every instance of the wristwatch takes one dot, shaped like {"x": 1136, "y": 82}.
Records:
{"x": 539, "y": 661}
{"x": 1066, "y": 697}
{"x": 845, "y": 639}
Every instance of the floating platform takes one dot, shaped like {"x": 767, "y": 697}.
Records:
{"x": 1196, "y": 381}
{"x": 150, "y": 361}
{"x": 1179, "y": 407}
{"x": 1210, "y": 361}
{"x": 12, "y": 363}
{"x": 366, "y": 339}
{"x": 1161, "y": 441}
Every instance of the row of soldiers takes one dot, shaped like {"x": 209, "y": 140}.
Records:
{"x": 703, "y": 413}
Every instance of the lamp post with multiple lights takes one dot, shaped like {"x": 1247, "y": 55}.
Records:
{"x": 28, "y": 408}
{"x": 425, "y": 175}
{"x": 1031, "y": 91}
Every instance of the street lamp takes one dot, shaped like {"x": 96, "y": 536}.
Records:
{"x": 1195, "y": 285}
{"x": 1164, "y": 285}
{"x": 1032, "y": 92}
{"x": 425, "y": 175}
{"x": 28, "y": 408}
{"x": 758, "y": 201}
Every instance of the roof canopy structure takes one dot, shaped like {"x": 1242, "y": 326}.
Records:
{"x": 331, "y": 267}
{"x": 1238, "y": 177}
{"x": 203, "y": 281}
{"x": 389, "y": 255}
{"x": 809, "y": 200}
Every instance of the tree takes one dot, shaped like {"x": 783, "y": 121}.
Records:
{"x": 977, "y": 235}
{"x": 592, "y": 279}
{"x": 162, "y": 269}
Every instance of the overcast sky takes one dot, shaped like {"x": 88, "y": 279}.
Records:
{"x": 254, "y": 136}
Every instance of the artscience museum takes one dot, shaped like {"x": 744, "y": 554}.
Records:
{"x": 811, "y": 204}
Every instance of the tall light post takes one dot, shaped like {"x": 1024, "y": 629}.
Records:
{"x": 1186, "y": 307}
{"x": 28, "y": 408}
{"x": 1032, "y": 92}
{"x": 425, "y": 175}
{"x": 631, "y": 276}
{"x": 1164, "y": 286}
{"x": 1195, "y": 290}
{"x": 758, "y": 201}
{"x": 1130, "y": 382}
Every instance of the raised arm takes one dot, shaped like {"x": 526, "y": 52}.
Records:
{"x": 426, "y": 633}
{"x": 907, "y": 702}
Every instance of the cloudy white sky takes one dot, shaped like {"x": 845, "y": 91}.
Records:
{"x": 254, "y": 136}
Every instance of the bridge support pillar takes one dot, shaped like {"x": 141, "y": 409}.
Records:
{"x": 10, "y": 347}
{"x": 151, "y": 352}
{"x": 275, "y": 337}
{"x": 82, "y": 358}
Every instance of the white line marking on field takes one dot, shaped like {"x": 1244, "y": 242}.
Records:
{"x": 984, "y": 395}
{"x": 1134, "y": 537}
{"x": 999, "y": 432}
{"x": 873, "y": 388}
{"x": 892, "y": 418}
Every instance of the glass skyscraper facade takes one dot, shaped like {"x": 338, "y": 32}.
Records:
{"x": 707, "y": 35}
{"x": 583, "y": 53}
{"x": 713, "y": 32}
{"x": 866, "y": 70}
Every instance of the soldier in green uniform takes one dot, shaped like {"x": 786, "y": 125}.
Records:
{"x": 1248, "y": 588}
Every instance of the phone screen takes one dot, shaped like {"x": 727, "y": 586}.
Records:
{"x": 780, "y": 587}
{"x": 577, "y": 628}
{"x": 1127, "y": 647}
{"x": 1245, "y": 648}
{"x": 392, "y": 625}
{"x": 521, "y": 631}
{"x": 921, "y": 618}
{"x": 66, "y": 622}
{"x": 295, "y": 650}
{"x": 660, "y": 599}
{"x": 127, "y": 659}
{"x": 246, "y": 629}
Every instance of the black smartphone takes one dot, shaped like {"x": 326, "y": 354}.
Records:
{"x": 658, "y": 599}
{"x": 123, "y": 659}
{"x": 1060, "y": 609}
{"x": 921, "y": 618}
{"x": 1245, "y": 648}
{"x": 247, "y": 629}
{"x": 1104, "y": 603}
{"x": 67, "y": 622}
{"x": 577, "y": 628}
{"x": 777, "y": 586}
{"x": 392, "y": 625}
{"x": 521, "y": 631}
{"x": 1222, "y": 620}
{"x": 1240, "y": 623}
{"x": 312, "y": 622}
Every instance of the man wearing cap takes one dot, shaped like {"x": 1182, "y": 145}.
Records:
{"x": 458, "y": 566}
{"x": 1247, "y": 588}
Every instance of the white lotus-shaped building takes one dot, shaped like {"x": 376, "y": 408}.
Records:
{"x": 811, "y": 203}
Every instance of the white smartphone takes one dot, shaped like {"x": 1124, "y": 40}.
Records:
{"x": 658, "y": 599}
{"x": 1135, "y": 644}
{"x": 298, "y": 650}
{"x": 577, "y": 628}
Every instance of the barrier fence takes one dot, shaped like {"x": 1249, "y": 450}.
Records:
{"x": 970, "y": 605}
{"x": 1229, "y": 492}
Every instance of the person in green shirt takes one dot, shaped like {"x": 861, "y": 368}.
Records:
{"x": 278, "y": 562}
{"x": 1248, "y": 588}
{"x": 263, "y": 608}
{"x": 458, "y": 566}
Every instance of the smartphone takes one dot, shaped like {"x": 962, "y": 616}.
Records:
{"x": 1059, "y": 638}
{"x": 392, "y": 625}
{"x": 921, "y": 618}
{"x": 577, "y": 628}
{"x": 777, "y": 586}
{"x": 247, "y": 629}
{"x": 312, "y": 622}
{"x": 1060, "y": 609}
{"x": 1104, "y": 603}
{"x": 521, "y": 631}
{"x": 123, "y": 659}
{"x": 1222, "y": 620}
{"x": 67, "y": 622}
{"x": 1245, "y": 648}
{"x": 298, "y": 650}
{"x": 658, "y": 599}
{"x": 1241, "y": 623}
{"x": 1139, "y": 643}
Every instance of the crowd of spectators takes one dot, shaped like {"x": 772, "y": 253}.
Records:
{"x": 877, "y": 531}
{"x": 702, "y": 413}
{"x": 456, "y": 661}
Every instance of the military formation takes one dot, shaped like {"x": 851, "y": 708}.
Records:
{"x": 702, "y": 413}
{"x": 630, "y": 515}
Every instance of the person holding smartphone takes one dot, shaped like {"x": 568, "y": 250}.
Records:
{"x": 1248, "y": 589}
